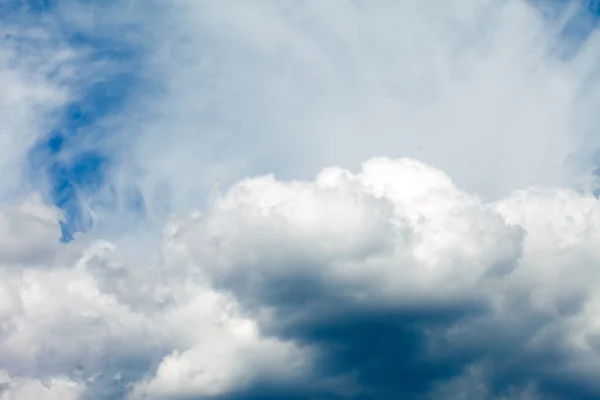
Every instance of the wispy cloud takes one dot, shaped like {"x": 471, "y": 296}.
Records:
{"x": 288, "y": 88}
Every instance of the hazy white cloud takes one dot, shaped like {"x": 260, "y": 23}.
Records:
{"x": 478, "y": 89}
{"x": 29, "y": 232}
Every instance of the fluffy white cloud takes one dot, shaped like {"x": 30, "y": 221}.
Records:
{"x": 398, "y": 235}
{"x": 398, "y": 228}
{"x": 69, "y": 311}
{"x": 214, "y": 315}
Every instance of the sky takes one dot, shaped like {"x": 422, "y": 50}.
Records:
{"x": 299, "y": 200}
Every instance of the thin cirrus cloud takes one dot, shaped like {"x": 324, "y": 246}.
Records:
{"x": 299, "y": 200}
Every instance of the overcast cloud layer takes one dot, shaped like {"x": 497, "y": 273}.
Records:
{"x": 299, "y": 200}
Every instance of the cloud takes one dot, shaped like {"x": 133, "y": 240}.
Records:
{"x": 92, "y": 327}
{"x": 236, "y": 91}
{"x": 478, "y": 89}
{"x": 394, "y": 271}
{"x": 53, "y": 389}
{"x": 223, "y": 262}
{"x": 392, "y": 213}
{"x": 48, "y": 294}
{"x": 390, "y": 281}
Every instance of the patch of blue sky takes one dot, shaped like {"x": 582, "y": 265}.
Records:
{"x": 583, "y": 22}
{"x": 83, "y": 172}
{"x": 577, "y": 30}
{"x": 71, "y": 156}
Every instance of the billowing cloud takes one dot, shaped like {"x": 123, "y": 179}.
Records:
{"x": 103, "y": 324}
{"x": 398, "y": 248}
{"x": 391, "y": 281}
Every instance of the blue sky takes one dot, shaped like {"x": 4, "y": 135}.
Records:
{"x": 108, "y": 92}
{"x": 80, "y": 122}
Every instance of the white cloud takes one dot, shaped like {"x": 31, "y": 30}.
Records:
{"x": 82, "y": 318}
{"x": 477, "y": 89}
{"x": 209, "y": 318}
{"x": 400, "y": 234}
{"x": 29, "y": 232}
{"x": 26, "y": 389}
{"x": 398, "y": 227}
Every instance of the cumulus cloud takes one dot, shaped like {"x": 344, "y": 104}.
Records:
{"x": 398, "y": 247}
{"x": 392, "y": 214}
{"x": 384, "y": 282}
{"x": 105, "y": 325}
